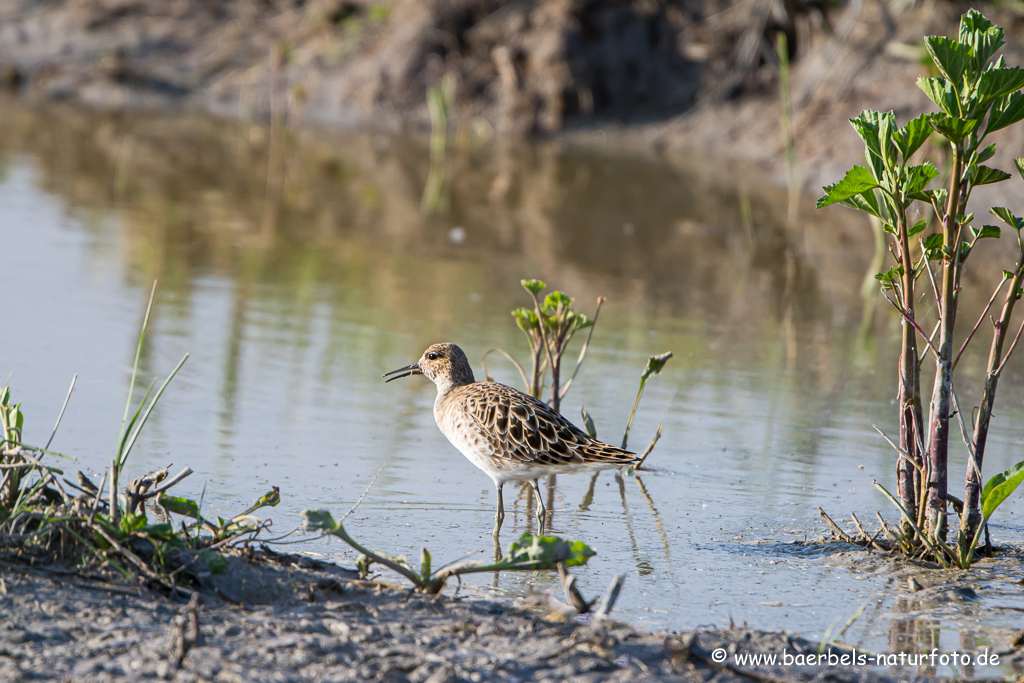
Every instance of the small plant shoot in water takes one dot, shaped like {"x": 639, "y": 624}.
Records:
{"x": 976, "y": 95}
{"x": 549, "y": 327}
{"x": 531, "y": 552}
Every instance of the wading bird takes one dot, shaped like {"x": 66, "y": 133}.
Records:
{"x": 508, "y": 434}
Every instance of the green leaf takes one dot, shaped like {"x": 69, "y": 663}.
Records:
{"x": 162, "y": 531}
{"x": 983, "y": 175}
{"x": 913, "y": 135}
{"x": 866, "y": 124}
{"x": 318, "y": 520}
{"x": 533, "y": 286}
{"x": 588, "y": 423}
{"x": 985, "y": 231}
{"x": 214, "y": 561}
{"x": 866, "y": 202}
{"x": 180, "y": 506}
{"x": 132, "y": 522}
{"x": 996, "y": 83}
{"x": 916, "y": 228}
{"x": 1019, "y": 163}
{"x": 545, "y": 552}
{"x": 952, "y": 128}
{"x": 933, "y": 246}
{"x": 580, "y": 321}
{"x": 654, "y": 365}
{"x": 424, "y": 564}
{"x": 857, "y": 180}
{"x": 950, "y": 56}
{"x": 981, "y": 35}
{"x": 965, "y": 250}
{"x": 936, "y": 197}
{"x": 526, "y": 319}
{"x": 919, "y": 176}
{"x": 941, "y": 92}
{"x": 891, "y": 277}
{"x": 986, "y": 154}
{"x": 553, "y": 301}
{"x": 1008, "y": 217}
{"x": 1000, "y": 487}
{"x": 1006, "y": 111}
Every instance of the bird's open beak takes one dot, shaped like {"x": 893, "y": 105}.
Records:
{"x": 413, "y": 369}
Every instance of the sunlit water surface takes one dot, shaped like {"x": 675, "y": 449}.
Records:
{"x": 296, "y": 268}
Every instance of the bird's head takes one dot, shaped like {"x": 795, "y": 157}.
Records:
{"x": 444, "y": 364}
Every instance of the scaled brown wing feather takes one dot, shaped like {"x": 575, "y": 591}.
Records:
{"x": 527, "y": 431}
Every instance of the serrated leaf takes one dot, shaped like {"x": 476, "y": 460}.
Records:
{"x": 986, "y": 154}
{"x": 857, "y": 180}
{"x": 913, "y": 135}
{"x": 867, "y": 202}
{"x": 533, "y": 286}
{"x": 866, "y": 125}
{"x": 933, "y": 246}
{"x": 996, "y": 83}
{"x": 526, "y": 319}
{"x": 1007, "y": 217}
{"x": 951, "y": 128}
{"x": 981, "y": 35}
{"x": 1019, "y": 163}
{"x": 941, "y": 92}
{"x": 984, "y": 175}
{"x": 917, "y": 228}
{"x": 891, "y": 277}
{"x": 985, "y": 231}
{"x": 950, "y": 56}
{"x": 919, "y": 176}
{"x": 1000, "y": 487}
{"x": 553, "y": 301}
{"x": 1006, "y": 111}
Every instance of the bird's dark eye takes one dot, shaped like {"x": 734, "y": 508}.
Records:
{"x": 431, "y": 356}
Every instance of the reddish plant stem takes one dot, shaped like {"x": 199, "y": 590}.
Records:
{"x": 971, "y": 520}
{"x": 938, "y": 440}
{"x": 909, "y": 394}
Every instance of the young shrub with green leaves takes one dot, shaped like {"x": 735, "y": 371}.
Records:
{"x": 976, "y": 96}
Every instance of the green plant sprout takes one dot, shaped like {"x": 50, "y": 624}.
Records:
{"x": 549, "y": 328}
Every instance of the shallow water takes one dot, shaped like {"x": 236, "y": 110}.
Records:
{"x": 297, "y": 267}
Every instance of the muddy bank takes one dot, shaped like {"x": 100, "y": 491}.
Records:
{"x": 276, "y": 621}
{"x": 670, "y": 74}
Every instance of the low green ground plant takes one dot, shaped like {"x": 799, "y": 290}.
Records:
{"x": 43, "y": 516}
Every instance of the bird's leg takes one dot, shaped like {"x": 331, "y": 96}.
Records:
{"x": 541, "y": 511}
{"x": 499, "y": 516}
